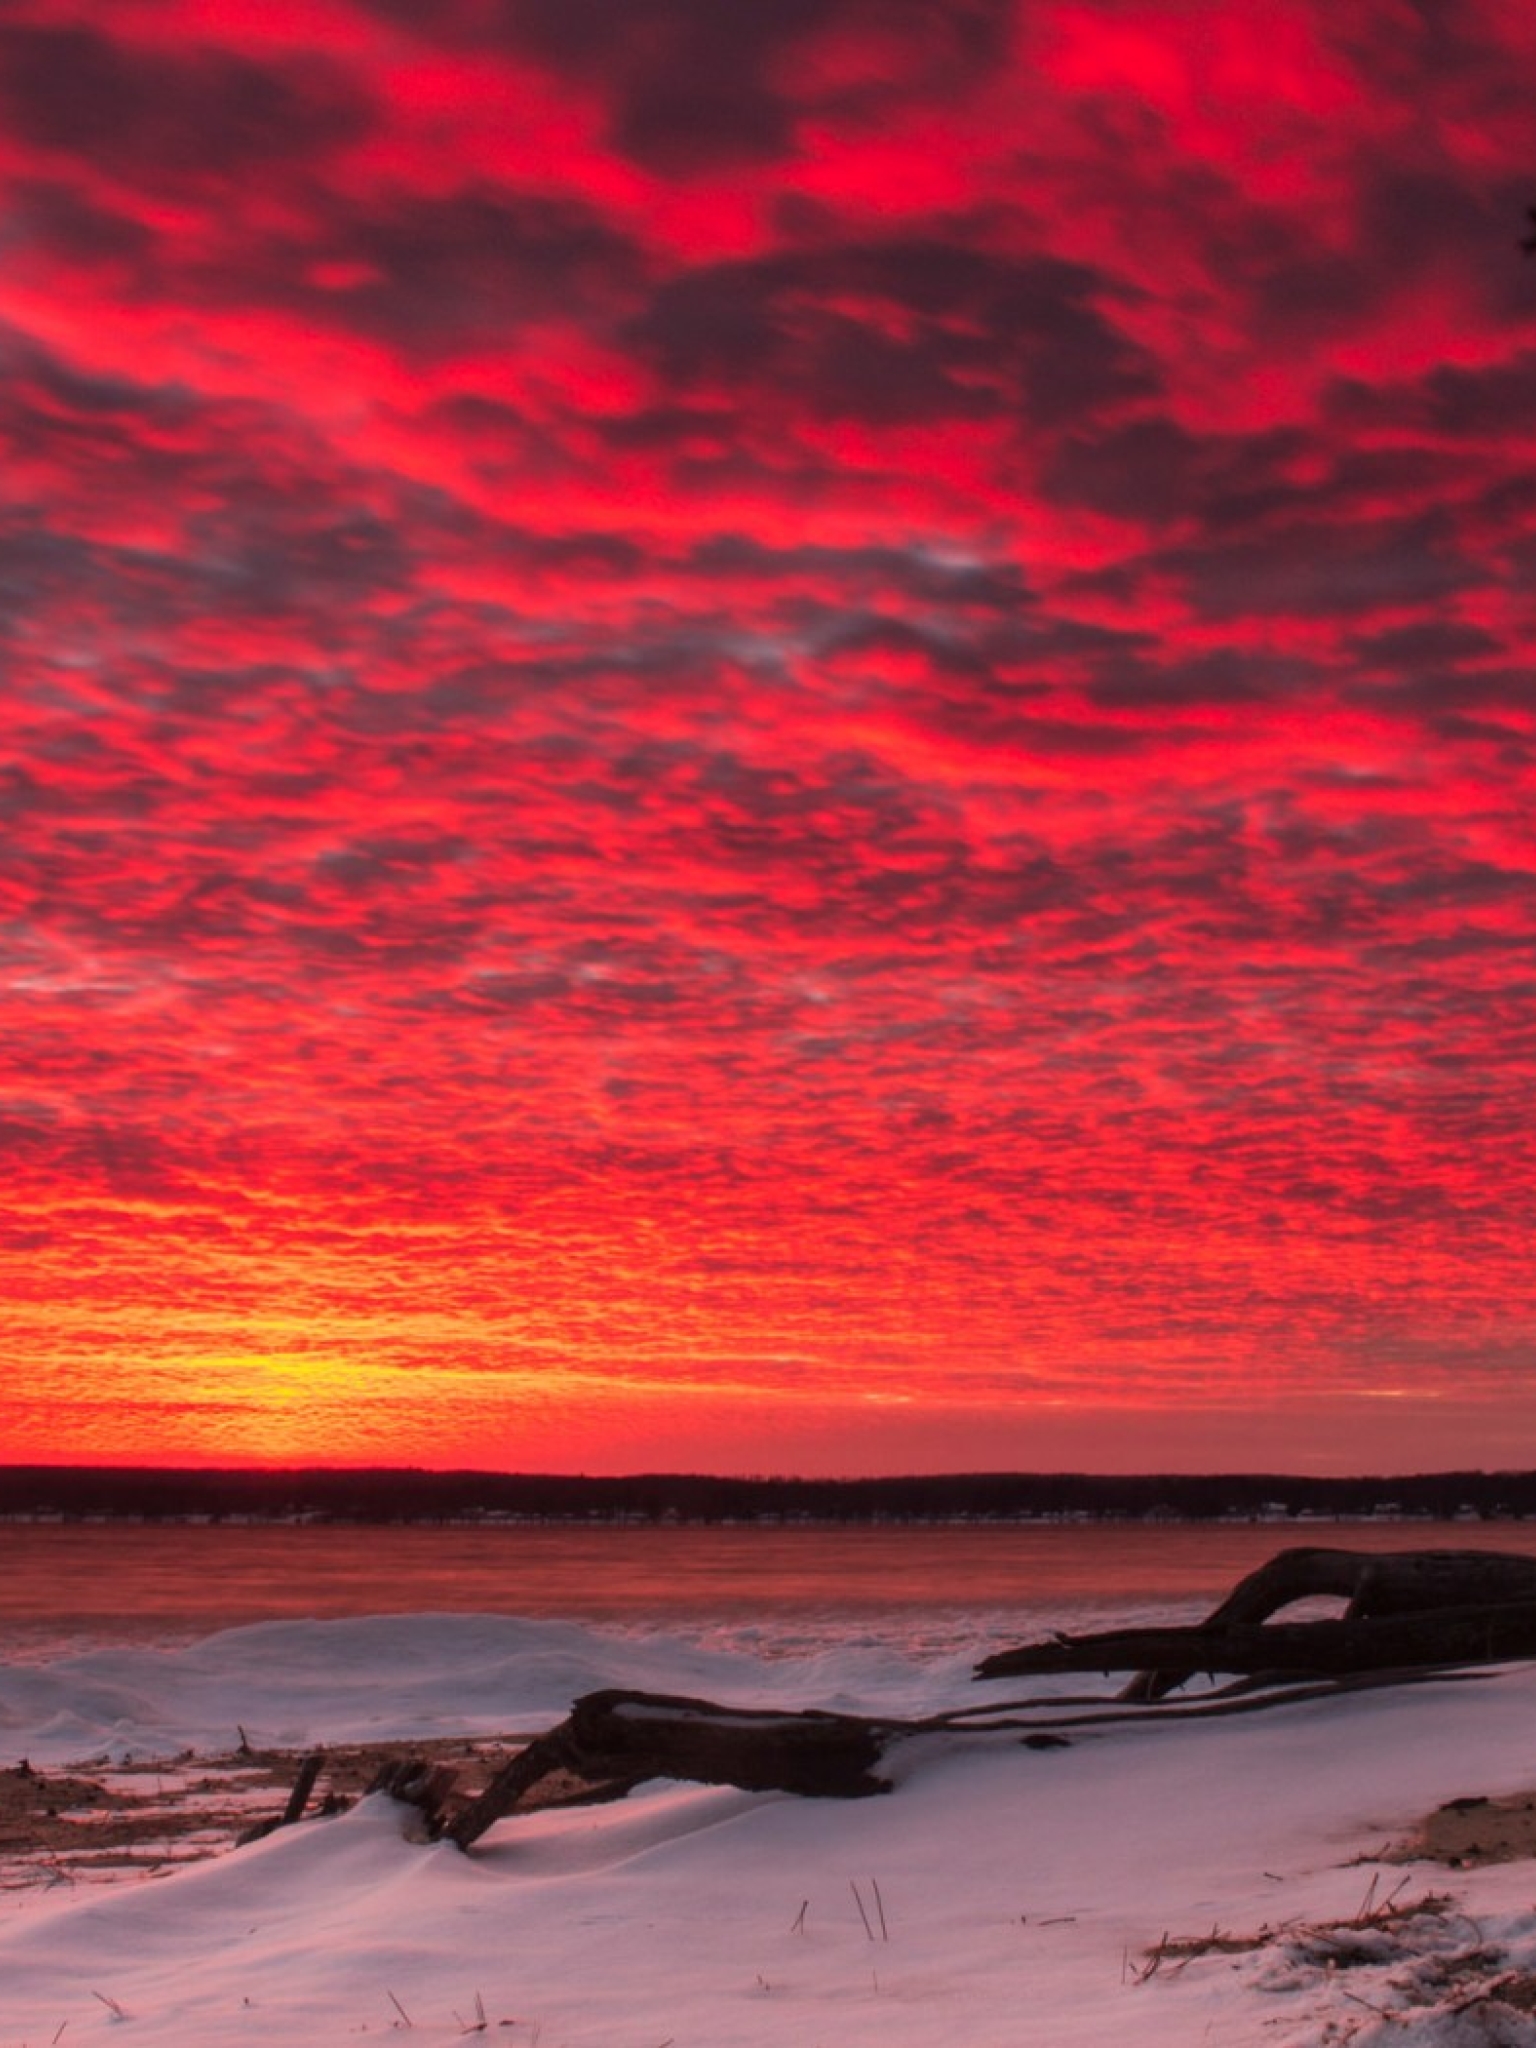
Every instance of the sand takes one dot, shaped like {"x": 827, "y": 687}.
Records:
{"x": 59, "y": 1825}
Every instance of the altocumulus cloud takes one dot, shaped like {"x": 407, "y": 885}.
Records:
{"x": 703, "y": 718}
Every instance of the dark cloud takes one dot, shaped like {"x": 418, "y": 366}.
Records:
{"x": 183, "y": 117}
{"x": 1429, "y": 647}
{"x": 63, "y": 224}
{"x": 1328, "y": 570}
{"x": 1227, "y": 676}
{"x": 472, "y": 267}
{"x": 946, "y": 333}
{"x": 1491, "y": 403}
{"x": 692, "y": 90}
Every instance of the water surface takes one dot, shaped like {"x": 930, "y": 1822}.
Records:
{"x": 81, "y": 1585}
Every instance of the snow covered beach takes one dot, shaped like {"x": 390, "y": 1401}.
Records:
{"x": 999, "y": 1896}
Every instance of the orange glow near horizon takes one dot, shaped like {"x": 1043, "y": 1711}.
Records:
{"x": 819, "y": 765}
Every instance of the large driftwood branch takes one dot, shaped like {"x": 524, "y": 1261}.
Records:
{"x": 614, "y": 1740}
{"x": 1374, "y": 1583}
{"x": 1463, "y": 1635}
{"x": 1381, "y": 1581}
{"x": 1247, "y": 1695}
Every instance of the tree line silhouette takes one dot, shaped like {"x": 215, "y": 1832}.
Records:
{"x": 410, "y": 1495}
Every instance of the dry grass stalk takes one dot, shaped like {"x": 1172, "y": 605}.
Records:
{"x": 479, "y": 2023}
{"x": 1332, "y": 1937}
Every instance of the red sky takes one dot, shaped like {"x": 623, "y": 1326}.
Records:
{"x": 793, "y": 738}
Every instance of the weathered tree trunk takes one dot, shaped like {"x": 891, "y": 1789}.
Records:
{"x": 1457, "y": 1635}
{"x": 612, "y": 1741}
{"x": 1373, "y": 1582}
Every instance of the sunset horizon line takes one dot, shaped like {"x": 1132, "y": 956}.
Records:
{"x": 406, "y": 1492}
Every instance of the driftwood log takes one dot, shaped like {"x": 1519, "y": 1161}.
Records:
{"x": 1407, "y": 1609}
{"x": 614, "y": 1740}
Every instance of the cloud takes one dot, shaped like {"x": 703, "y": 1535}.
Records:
{"x": 158, "y": 118}
{"x": 849, "y": 697}
{"x": 894, "y": 332}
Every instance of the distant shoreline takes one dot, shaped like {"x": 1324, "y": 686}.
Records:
{"x": 58, "y": 1493}
{"x": 491, "y": 1522}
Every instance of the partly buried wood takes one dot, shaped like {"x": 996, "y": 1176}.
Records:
{"x": 298, "y": 1799}
{"x": 614, "y": 1740}
{"x": 419, "y": 1782}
